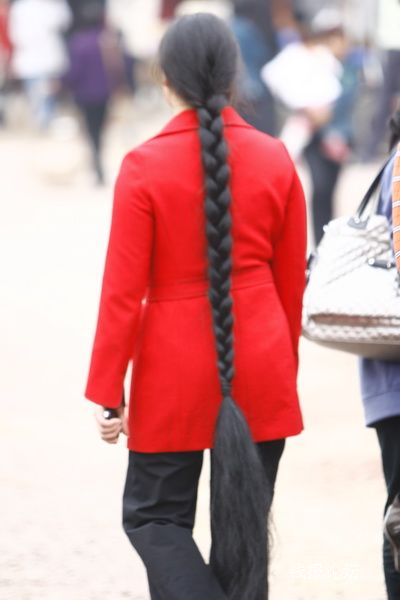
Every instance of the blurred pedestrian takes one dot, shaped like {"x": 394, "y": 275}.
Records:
{"x": 140, "y": 26}
{"x": 39, "y": 59}
{"x": 318, "y": 82}
{"x": 306, "y": 77}
{"x": 5, "y": 55}
{"x": 218, "y": 253}
{"x": 380, "y": 384}
{"x": 95, "y": 67}
{"x": 388, "y": 40}
{"x": 253, "y": 27}
{"x": 331, "y": 143}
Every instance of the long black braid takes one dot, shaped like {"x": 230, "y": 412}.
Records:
{"x": 199, "y": 58}
{"x": 218, "y": 230}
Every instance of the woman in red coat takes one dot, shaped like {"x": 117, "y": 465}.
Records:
{"x": 202, "y": 288}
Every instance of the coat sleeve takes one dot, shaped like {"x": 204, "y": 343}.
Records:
{"x": 289, "y": 261}
{"x": 125, "y": 281}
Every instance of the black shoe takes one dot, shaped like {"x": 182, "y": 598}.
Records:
{"x": 391, "y": 530}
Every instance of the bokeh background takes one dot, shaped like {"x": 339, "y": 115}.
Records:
{"x": 78, "y": 89}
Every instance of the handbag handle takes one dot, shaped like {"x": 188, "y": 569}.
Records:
{"x": 357, "y": 219}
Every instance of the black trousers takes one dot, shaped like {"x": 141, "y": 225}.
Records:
{"x": 324, "y": 177}
{"x": 159, "y": 505}
{"x": 388, "y": 432}
{"x": 95, "y": 115}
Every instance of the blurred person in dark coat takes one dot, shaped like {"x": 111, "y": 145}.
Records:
{"x": 253, "y": 27}
{"x": 92, "y": 75}
{"x": 380, "y": 389}
{"x": 331, "y": 142}
{"x": 316, "y": 80}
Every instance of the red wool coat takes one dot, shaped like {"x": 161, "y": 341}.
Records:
{"x": 154, "y": 307}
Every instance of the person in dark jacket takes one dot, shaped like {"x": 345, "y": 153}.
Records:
{"x": 330, "y": 145}
{"x": 380, "y": 384}
{"x": 253, "y": 27}
{"x": 89, "y": 76}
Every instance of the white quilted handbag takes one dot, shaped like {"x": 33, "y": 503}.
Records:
{"x": 352, "y": 300}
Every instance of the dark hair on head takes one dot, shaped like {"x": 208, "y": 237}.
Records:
{"x": 199, "y": 58}
{"x": 89, "y": 14}
{"x": 395, "y": 128}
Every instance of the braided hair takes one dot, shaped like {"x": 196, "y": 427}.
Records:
{"x": 199, "y": 58}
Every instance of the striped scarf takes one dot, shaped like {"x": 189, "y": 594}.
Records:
{"x": 396, "y": 207}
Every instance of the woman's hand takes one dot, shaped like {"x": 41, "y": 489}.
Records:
{"x": 110, "y": 429}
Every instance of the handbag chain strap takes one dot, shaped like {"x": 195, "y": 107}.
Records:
{"x": 357, "y": 219}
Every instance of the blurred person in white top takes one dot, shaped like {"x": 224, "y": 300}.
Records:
{"x": 40, "y": 58}
{"x": 140, "y": 24}
{"x": 317, "y": 84}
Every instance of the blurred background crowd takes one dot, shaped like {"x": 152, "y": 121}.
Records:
{"x": 323, "y": 75}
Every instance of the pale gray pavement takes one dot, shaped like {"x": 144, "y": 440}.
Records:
{"x": 60, "y": 486}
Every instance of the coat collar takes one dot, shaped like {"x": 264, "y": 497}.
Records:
{"x": 187, "y": 120}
